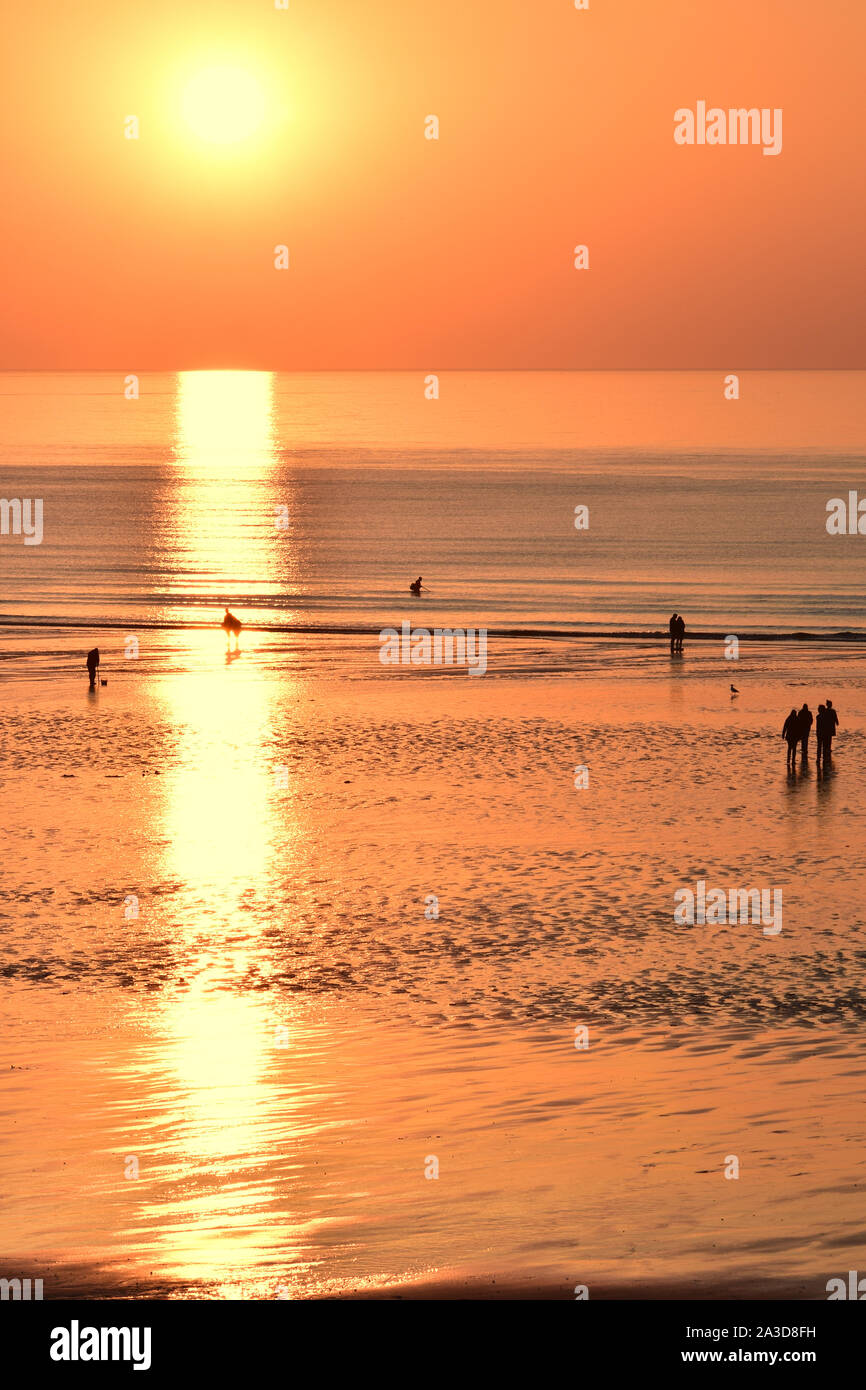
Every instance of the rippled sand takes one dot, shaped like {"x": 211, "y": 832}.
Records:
{"x": 285, "y": 1036}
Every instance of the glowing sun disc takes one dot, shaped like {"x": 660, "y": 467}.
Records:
{"x": 223, "y": 105}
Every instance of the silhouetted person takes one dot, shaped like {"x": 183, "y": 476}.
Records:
{"x": 230, "y": 624}
{"x": 415, "y": 586}
{"x": 820, "y": 733}
{"x": 93, "y": 666}
{"x": 680, "y": 632}
{"x": 804, "y": 728}
{"x": 673, "y": 631}
{"x": 791, "y": 733}
{"x": 831, "y": 724}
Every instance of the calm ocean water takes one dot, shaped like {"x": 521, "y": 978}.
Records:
{"x": 163, "y": 509}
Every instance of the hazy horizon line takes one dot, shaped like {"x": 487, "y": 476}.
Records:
{"x": 490, "y": 371}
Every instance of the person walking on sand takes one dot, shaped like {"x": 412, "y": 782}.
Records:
{"x": 804, "y": 727}
{"x": 791, "y": 733}
{"x": 93, "y": 666}
{"x": 230, "y": 624}
{"x": 672, "y": 625}
{"x": 681, "y": 632}
{"x": 820, "y": 733}
{"x": 831, "y": 724}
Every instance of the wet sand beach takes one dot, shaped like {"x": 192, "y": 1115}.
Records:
{"x": 236, "y": 1038}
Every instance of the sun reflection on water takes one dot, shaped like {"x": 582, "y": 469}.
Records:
{"x": 225, "y": 815}
{"x": 226, "y": 491}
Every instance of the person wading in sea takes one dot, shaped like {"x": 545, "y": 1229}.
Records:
{"x": 230, "y": 624}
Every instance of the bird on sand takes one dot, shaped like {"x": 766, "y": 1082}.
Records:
{"x": 734, "y": 690}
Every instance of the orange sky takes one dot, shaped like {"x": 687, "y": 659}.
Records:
{"x": 556, "y": 128}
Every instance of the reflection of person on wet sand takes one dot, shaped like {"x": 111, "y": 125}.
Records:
{"x": 230, "y": 624}
{"x": 93, "y": 666}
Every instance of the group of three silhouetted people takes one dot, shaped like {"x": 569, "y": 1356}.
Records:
{"x": 798, "y": 726}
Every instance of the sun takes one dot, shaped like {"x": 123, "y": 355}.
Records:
{"x": 223, "y": 105}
